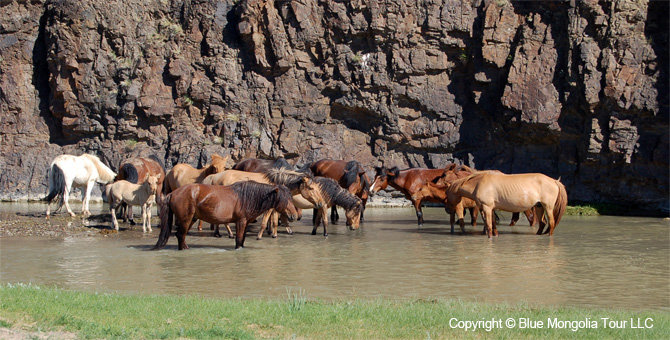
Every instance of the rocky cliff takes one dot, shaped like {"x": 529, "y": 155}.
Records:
{"x": 576, "y": 89}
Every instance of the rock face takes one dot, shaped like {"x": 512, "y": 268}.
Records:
{"x": 572, "y": 89}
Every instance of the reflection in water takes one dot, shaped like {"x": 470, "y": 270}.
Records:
{"x": 591, "y": 261}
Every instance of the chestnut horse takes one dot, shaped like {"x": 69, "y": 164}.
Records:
{"x": 240, "y": 203}
{"x": 182, "y": 174}
{"x": 68, "y": 171}
{"x": 409, "y": 182}
{"x": 137, "y": 170}
{"x": 431, "y": 189}
{"x": 261, "y": 165}
{"x": 515, "y": 193}
{"x": 350, "y": 175}
{"x": 298, "y": 183}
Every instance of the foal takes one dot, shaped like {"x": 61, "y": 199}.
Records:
{"x": 133, "y": 194}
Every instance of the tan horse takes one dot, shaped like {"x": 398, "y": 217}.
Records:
{"x": 133, "y": 194}
{"x": 182, "y": 173}
{"x": 298, "y": 183}
{"x": 515, "y": 193}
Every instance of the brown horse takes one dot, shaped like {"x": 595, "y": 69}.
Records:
{"x": 409, "y": 182}
{"x": 239, "y": 203}
{"x": 298, "y": 183}
{"x": 515, "y": 193}
{"x": 183, "y": 174}
{"x": 262, "y": 165}
{"x": 350, "y": 175}
{"x": 137, "y": 170}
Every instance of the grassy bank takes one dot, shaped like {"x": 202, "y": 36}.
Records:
{"x": 119, "y": 316}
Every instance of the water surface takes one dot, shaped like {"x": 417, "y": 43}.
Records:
{"x": 618, "y": 262}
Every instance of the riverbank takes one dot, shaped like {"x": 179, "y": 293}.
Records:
{"x": 138, "y": 316}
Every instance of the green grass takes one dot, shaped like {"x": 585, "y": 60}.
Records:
{"x": 126, "y": 316}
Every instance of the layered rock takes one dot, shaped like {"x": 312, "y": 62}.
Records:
{"x": 570, "y": 89}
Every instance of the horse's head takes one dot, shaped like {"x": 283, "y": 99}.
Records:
{"x": 380, "y": 181}
{"x": 354, "y": 216}
{"x": 311, "y": 191}
{"x": 453, "y": 198}
{"x": 218, "y": 164}
{"x": 285, "y": 202}
{"x": 153, "y": 183}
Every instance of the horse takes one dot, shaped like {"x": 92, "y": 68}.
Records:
{"x": 133, "y": 194}
{"x": 67, "y": 171}
{"x": 431, "y": 189}
{"x": 137, "y": 170}
{"x": 454, "y": 172}
{"x": 335, "y": 195}
{"x": 515, "y": 193}
{"x": 409, "y": 182}
{"x": 350, "y": 175}
{"x": 240, "y": 203}
{"x": 182, "y": 174}
{"x": 262, "y": 165}
{"x": 298, "y": 183}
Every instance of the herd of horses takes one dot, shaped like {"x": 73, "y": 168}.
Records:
{"x": 278, "y": 191}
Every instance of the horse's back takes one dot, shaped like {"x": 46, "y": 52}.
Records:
{"x": 517, "y": 189}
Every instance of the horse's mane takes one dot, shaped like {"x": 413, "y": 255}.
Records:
{"x": 365, "y": 183}
{"x": 351, "y": 171}
{"x": 281, "y": 163}
{"x": 289, "y": 178}
{"x": 394, "y": 170}
{"x": 256, "y": 198}
{"x": 334, "y": 194}
{"x": 457, "y": 184}
{"x": 105, "y": 174}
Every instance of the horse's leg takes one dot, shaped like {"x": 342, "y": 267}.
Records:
{"x": 115, "y": 223}
{"x": 550, "y": 219}
{"x": 215, "y": 227}
{"x": 230, "y": 232}
{"x": 419, "y": 213}
{"x": 240, "y": 231}
{"x": 334, "y": 216}
{"x": 284, "y": 220}
{"x": 87, "y": 198}
{"x": 182, "y": 229}
{"x": 488, "y": 220}
{"x": 474, "y": 213}
{"x": 460, "y": 213}
{"x": 264, "y": 224}
{"x": 530, "y": 215}
{"x": 324, "y": 217}
{"x": 316, "y": 219}
{"x": 452, "y": 220}
{"x": 131, "y": 216}
{"x": 515, "y": 218}
{"x": 200, "y": 225}
{"x": 539, "y": 213}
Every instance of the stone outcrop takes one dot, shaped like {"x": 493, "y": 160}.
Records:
{"x": 572, "y": 89}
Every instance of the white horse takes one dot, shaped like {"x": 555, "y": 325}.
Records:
{"x": 133, "y": 194}
{"x": 67, "y": 171}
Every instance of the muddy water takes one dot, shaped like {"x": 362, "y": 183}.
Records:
{"x": 621, "y": 262}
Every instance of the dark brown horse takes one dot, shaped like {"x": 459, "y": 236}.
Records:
{"x": 409, "y": 182}
{"x": 262, "y": 165}
{"x": 334, "y": 195}
{"x": 240, "y": 203}
{"x": 350, "y": 176}
{"x": 137, "y": 170}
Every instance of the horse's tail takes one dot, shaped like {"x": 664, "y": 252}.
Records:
{"x": 129, "y": 173}
{"x": 561, "y": 202}
{"x": 56, "y": 185}
{"x": 165, "y": 214}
